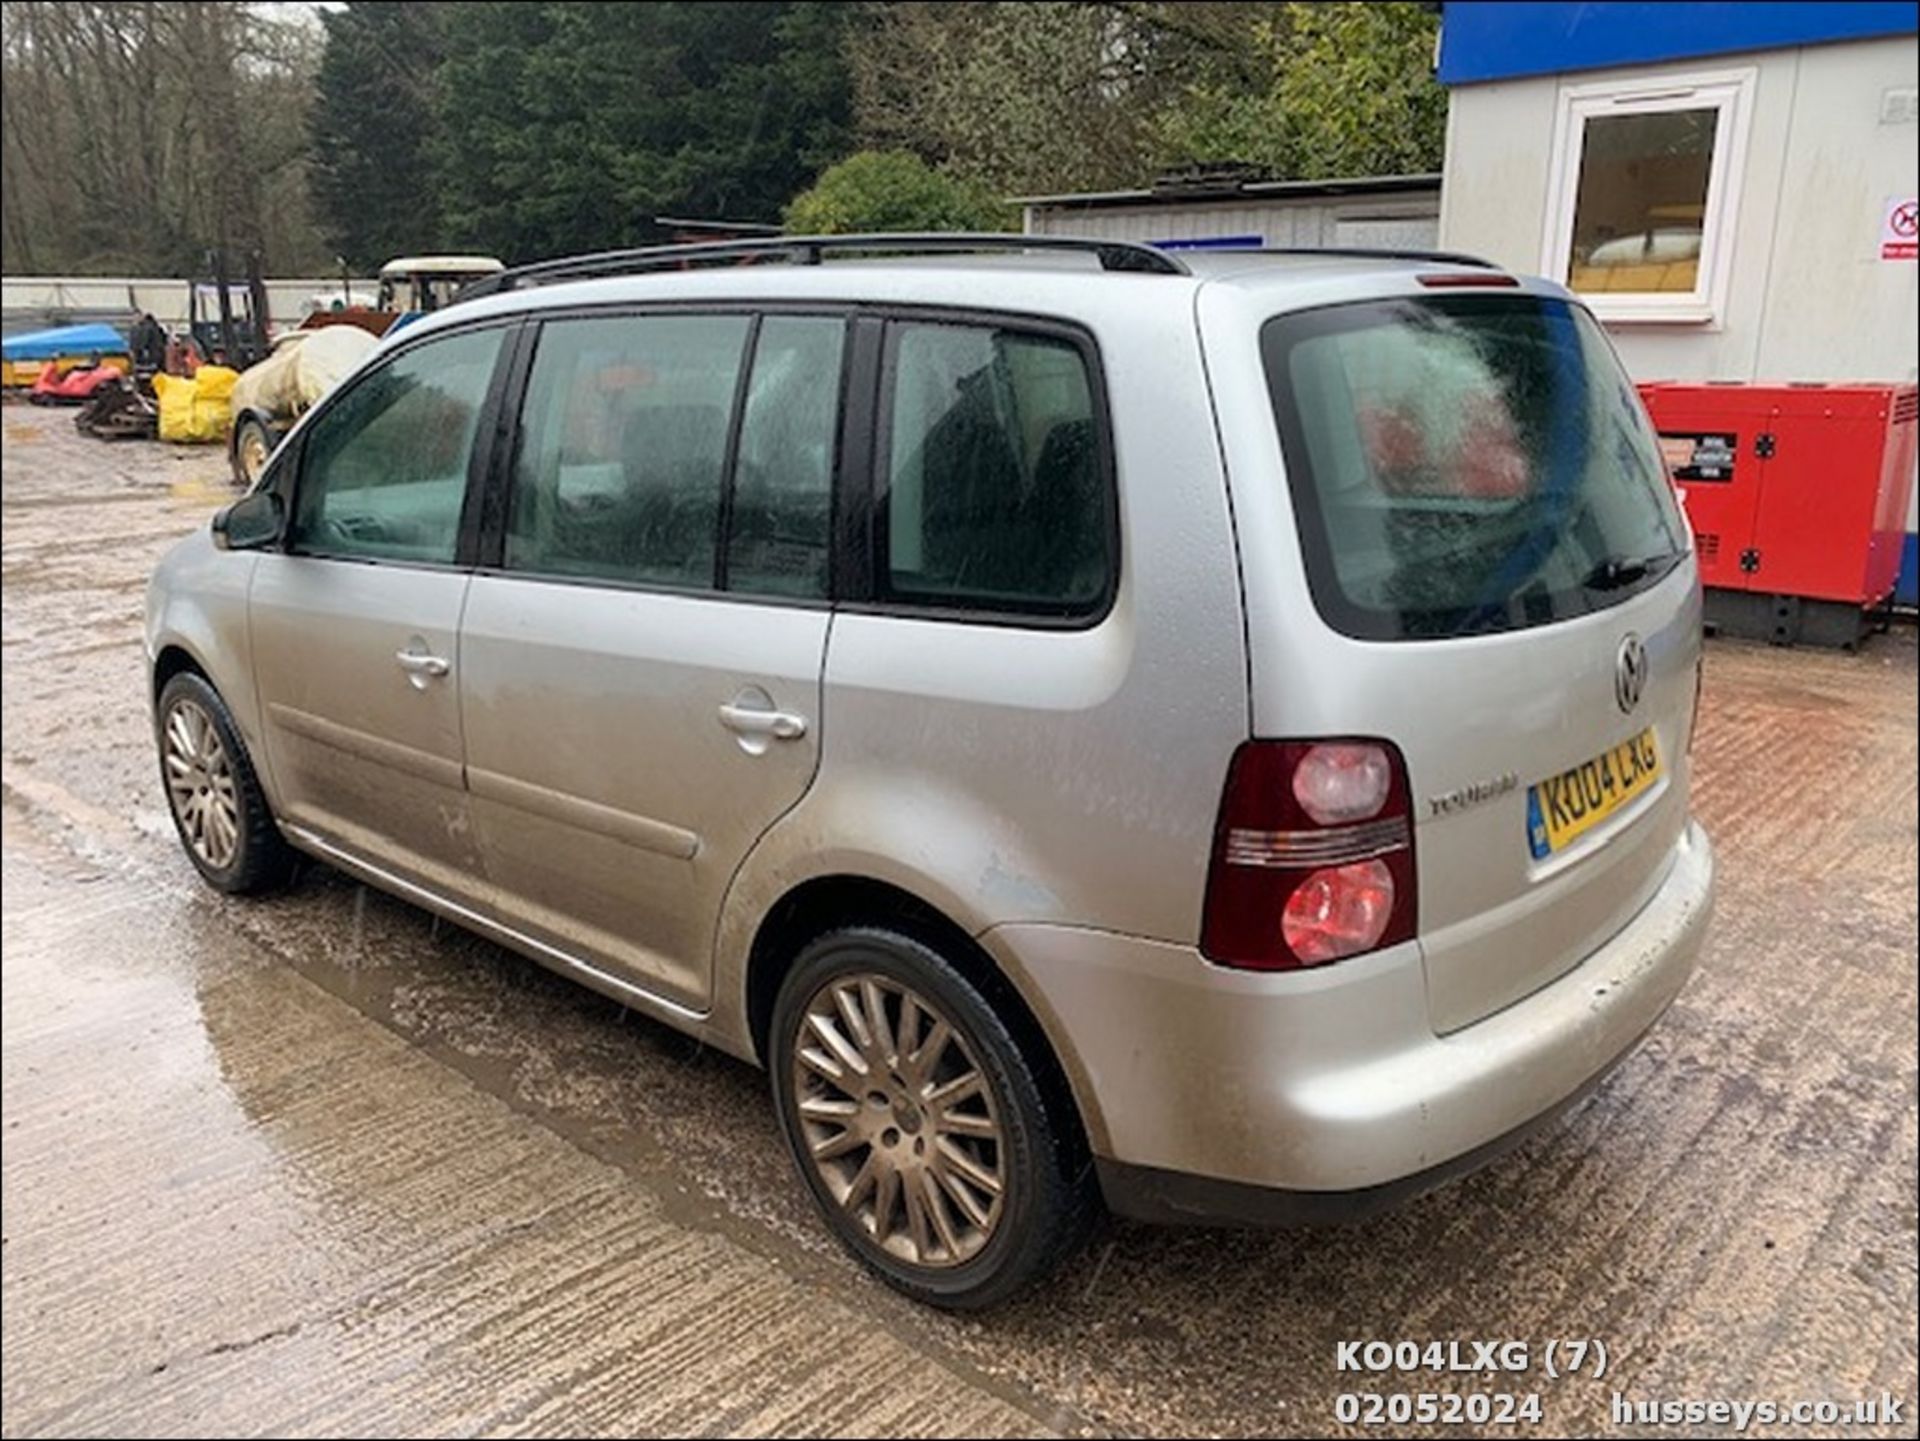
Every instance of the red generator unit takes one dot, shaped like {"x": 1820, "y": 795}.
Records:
{"x": 1797, "y": 495}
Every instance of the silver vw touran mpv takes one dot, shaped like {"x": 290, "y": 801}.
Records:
{"x": 1207, "y": 734}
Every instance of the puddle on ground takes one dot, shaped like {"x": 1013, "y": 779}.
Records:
{"x": 203, "y": 489}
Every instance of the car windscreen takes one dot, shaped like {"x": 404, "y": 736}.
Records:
{"x": 1466, "y": 464}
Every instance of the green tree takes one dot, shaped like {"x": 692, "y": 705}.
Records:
{"x": 372, "y": 129}
{"x": 892, "y": 190}
{"x": 567, "y": 127}
{"x": 1037, "y": 95}
{"x": 1345, "y": 89}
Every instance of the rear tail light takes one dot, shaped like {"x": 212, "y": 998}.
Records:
{"x": 1342, "y": 782}
{"x": 1338, "y": 911}
{"x": 1312, "y": 856}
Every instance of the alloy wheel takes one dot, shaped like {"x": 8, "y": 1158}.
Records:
{"x": 200, "y": 785}
{"x": 899, "y": 1121}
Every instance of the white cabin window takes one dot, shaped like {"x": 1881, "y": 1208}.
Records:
{"x": 1644, "y": 192}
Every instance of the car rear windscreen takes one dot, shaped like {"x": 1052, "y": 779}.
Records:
{"x": 1466, "y": 464}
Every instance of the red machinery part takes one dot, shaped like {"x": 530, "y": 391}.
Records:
{"x": 1795, "y": 490}
{"x": 79, "y": 385}
{"x": 45, "y": 384}
{"x": 74, "y": 387}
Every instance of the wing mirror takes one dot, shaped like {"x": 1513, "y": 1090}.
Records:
{"x": 250, "y": 523}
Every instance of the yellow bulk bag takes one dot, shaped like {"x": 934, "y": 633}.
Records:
{"x": 196, "y": 410}
{"x": 175, "y": 394}
{"x": 213, "y": 402}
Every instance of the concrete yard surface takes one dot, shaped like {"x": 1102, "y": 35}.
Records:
{"x": 321, "y": 1164}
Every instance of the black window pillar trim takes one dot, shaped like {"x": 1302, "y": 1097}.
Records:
{"x": 730, "y": 461}
{"x": 852, "y": 538}
{"x": 282, "y": 479}
{"x": 483, "y": 519}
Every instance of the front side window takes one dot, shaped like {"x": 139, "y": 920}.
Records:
{"x": 1643, "y": 217}
{"x": 996, "y": 495}
{"x": 383, "y": 472}
{"x": 1466, "y": 464}
{"x": 621, "y": 464}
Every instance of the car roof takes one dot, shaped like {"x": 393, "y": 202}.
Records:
{"x": 1061, "y": 285}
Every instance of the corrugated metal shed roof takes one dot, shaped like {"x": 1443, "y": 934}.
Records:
{"x": 1194, "y": 193}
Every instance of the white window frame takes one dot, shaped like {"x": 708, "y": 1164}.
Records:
{"x": 1730, "y": 92}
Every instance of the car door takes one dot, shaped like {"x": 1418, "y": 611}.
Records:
{"x": 355, "y": 621}
{"x": 640, "y": 661}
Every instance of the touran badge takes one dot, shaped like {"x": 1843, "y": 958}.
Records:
{"x": 1630, "y": 673}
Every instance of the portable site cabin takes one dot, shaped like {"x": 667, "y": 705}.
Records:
{"x": 1731, "y": 187}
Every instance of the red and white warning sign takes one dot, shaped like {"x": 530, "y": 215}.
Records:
{"x": 1900, "y": 230}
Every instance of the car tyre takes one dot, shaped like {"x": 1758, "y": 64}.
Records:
{"x": 253, "y": 443}
{"x": 219, "y": 811}
{"x": 926, "y": 1136}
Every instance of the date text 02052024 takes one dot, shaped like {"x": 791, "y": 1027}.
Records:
{"x": 1441, "y": 1408}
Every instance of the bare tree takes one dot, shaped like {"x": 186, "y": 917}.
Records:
{"x": 137, "y": 135}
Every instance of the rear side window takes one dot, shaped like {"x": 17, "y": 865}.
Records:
{"x": 621, "y": 463}
{"x": 994, "y": 493}
{"x": 783, "y": 474}
{"x": 1466, "y": 464}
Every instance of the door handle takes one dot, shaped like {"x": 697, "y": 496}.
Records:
{"x": 417, "y": 663}
{"x": 782, "y": 725}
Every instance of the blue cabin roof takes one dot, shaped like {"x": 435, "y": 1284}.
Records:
{"x": 1502, "y": 39}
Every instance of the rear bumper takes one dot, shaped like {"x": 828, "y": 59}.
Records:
{"x": 1179, "y": 1198}
{"x": 1321, "y": 1095}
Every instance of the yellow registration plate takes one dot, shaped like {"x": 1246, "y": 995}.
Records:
{"x": 1565, "y": 807}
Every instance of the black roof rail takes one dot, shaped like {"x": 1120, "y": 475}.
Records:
{"x": 810, "y": 249}
{"x": 1361, "y": 252}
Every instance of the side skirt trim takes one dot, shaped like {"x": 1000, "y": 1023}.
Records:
{"x": 673, "y": 1012}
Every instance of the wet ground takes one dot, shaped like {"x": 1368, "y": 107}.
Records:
{"x": 319, "y": 1164}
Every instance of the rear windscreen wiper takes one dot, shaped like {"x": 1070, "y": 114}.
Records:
{"x": 1618, "y": 570}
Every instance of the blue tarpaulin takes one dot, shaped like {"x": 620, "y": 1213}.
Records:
{"x": 65, "y": 340}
